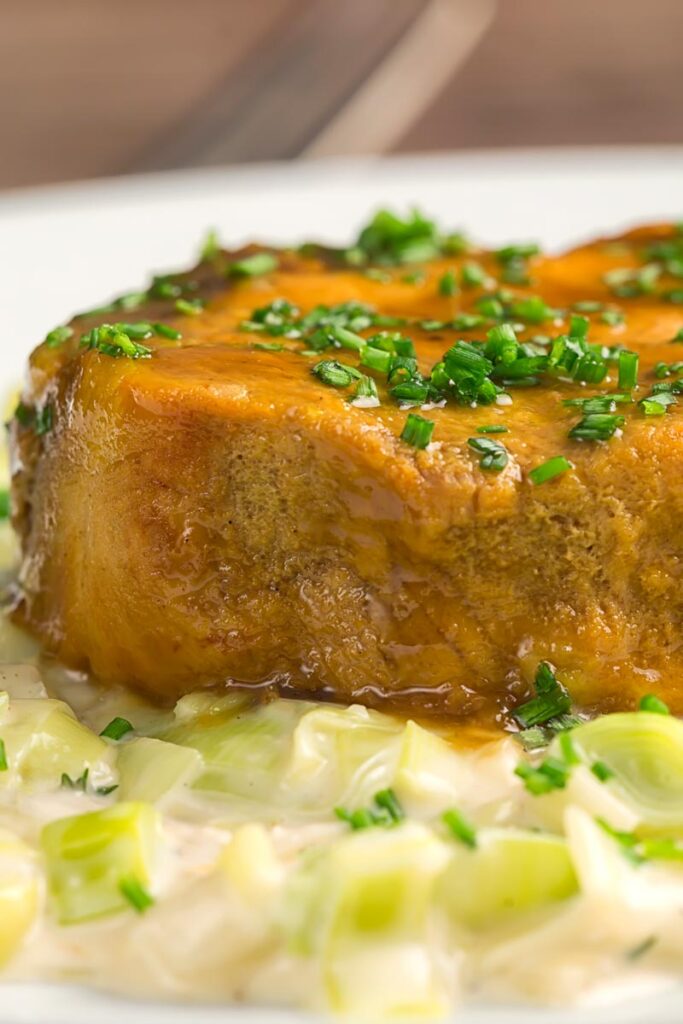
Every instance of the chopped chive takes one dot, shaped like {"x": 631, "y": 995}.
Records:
{"x": 472, "y": 275}
{"x": 346, "y": 338}
{"x": 551, "y": 700}
{"x": 578, "y": 326}
{"x": 642, "y": 948}
{"x": 628, "y": 370}
{"x": 106, "y": 790}
{"x": 492, "y": 428}
{"x": 521, "y": 251}
{"x": 678, "y": 336}
{"x": 4, "y": 503}
{"x": 494, "y": 456}
{"x": 612, "y": 317}
{"x": 189, "y": 307}
{"x": 651, "y": 702}
{"x": 587, "y": 306}
{"x": 626, "y": 840}
{"x": 136, "y": 894}
{"x": 387, "y": 801}
{"x": 387, "y": 811}
{"x": 415, "y": 277}
{"x": 334, "y": 374}
{"x": 24, "y": 414}
{"x": 596, "y": 427}
{"x": 375, "y": 359}
{"x": 254, "y": 266}
{"x": 551, "y": 774}
{"x": 459, "y": 827}
{"x": 44, "y": 420}
{"x": 628, "y": 283}
{"x": 58, "y": 336}
{"x": 656, "y": 404}
{"x": 268, "y": 346}
{"x": 362, "y": 818}
{"x": 164, "y": 331}
{"x": 118, "y": 340}
{"x": 375, "y": 274}
{"x": 210, "y": 246}
{"x": 3, "y": 757}
{"x": 80, "y": 783}
{"x": 602, "y": 771}
{"x": 366, "y": 391}
{"x": 550, "y": 469}
{"x": 417, "y": 430}
{"x": 117, "y": 728}
{"x": 533, "y": 309}
{"x": 448, "y": 284}
{"x": 490, "y": 306}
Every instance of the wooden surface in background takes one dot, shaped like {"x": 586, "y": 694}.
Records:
{"x": 94, "y": 87}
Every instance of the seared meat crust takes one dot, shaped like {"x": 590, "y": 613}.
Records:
{"x": 216, "y": 514}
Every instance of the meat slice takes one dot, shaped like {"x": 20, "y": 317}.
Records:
{"x": 216, "y": 514}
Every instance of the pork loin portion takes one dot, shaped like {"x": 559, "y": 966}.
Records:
{"x": 214, "y": 512}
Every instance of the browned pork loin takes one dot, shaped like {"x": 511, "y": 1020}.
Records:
{"x": 204, "y": 509}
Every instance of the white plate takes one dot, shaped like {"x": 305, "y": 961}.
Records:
{"x": 69, "y": 247}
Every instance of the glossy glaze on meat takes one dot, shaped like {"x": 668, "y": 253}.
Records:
{"x": 215, "y": 513}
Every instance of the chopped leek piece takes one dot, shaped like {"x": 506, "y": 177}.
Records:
{"x": 342, "y": 755}
{"x": 45, "y": 741}
{"x": 251, "y": 864}
{"x": 430, "y": 773}
{"x": 510, "y": 872}
{"x": 245, "y": 752}
{"x": 90, "y": 856}
{"x": 152, "y": 770}
{"x": 364, "y": 906}
{"x": 19, "y": 893}
{"x": 644, "y": 753}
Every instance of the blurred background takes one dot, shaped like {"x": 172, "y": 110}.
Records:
{"x": 90, "y": 88}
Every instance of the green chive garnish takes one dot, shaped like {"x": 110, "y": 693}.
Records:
{"x": 494, "y": 456}
{"x": 550, "y": 469}
{"x": 58, "y": 336}
{"x": 472, "y": 275}
{"x": 254, "y": 266}
{"x": 650, "y": 702}
{"x": 387, "y": 811}
{"x": 448, "y": 284}
{"x": 164, "y": 331}
{"x": 189, "y": 307}
{"x": 551, "y": 700}
{"x": 4, "y": 503}
{"x": 334, "y": 374}
{"x": 417, "y": 430}
{"x": 492, "y": 428}
{"x": 628, "y": 370}
{"x": 3, "y": 757}
{"x": 459, "y": 827}
{"x": 44, "y": 420}
{"x": 602, "y": 771}
{"x": 551, "y": 774}
{"x": 210, "y": 246}
{"x": 596, "y": 427}
{"x": 117, "y": 728}
{"x": 136, "y": 894}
